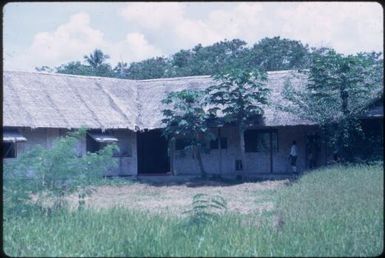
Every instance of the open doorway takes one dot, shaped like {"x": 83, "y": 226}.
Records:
{"x": 152, "y": 153}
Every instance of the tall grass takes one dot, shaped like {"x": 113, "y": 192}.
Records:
{"x": 336, "y": 211}
{"x": 331, "y": 212}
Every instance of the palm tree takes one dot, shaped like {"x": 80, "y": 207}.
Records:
{"x": 96, "y": 58}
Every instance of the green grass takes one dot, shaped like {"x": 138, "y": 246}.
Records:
{"x": 330, "y": 212}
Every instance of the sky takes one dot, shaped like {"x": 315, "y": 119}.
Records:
{"x": 37, "y": 34}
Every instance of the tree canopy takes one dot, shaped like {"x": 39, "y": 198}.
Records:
{"x": 185, "y": 118}
{"x": 239, "y": 96}
{"x": 339, "y": 90}
{"x": 268, "y": 54}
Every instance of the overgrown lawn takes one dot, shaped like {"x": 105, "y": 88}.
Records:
{"x": 336, "y": 211}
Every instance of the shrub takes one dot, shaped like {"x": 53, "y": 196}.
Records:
{"x": 54, "y": 173}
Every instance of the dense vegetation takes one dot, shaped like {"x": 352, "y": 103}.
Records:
{"x": 269, "y": 54}
{"x": 336, "y": 96}
{"x": 336, "y": 211}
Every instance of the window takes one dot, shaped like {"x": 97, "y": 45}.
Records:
{"x": 97, "y": 141}
{"x": 214, "y": 144}
{"x": 182, "y": 143}
{"x": 259, "y": 140}
{"x": 10, "y": 138}
{"x": 9, "y": 150}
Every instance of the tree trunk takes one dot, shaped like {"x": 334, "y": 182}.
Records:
{"x": 199, "y": 159}
{"x": 242, "y": 147}
{"x": 172, "y": 155}
{"x": 220, "y": 151}
{"x": 343, "y": 139}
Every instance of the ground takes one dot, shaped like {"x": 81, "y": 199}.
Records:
{"x": 174, "y": 198}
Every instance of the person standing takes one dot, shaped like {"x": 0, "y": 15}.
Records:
{"x": 293, "y": 157}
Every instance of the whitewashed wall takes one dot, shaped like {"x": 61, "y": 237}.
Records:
{"x": 46, "y": 136}
{"x": 256, "y": 162}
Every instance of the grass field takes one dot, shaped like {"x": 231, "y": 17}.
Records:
{"x": 336, "y": 211}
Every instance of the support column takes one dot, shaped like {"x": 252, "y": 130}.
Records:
{"x": 271, "y": 150}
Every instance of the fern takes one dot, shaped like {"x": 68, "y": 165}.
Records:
{"x": 206, "y": 208}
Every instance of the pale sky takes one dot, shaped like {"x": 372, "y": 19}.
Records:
{"x": 37, "y": 34}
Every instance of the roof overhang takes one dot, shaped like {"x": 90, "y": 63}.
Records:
{"x": 375, "y": 112}
{"x": 13, "y": 137}
{"x": 103, "y": 138}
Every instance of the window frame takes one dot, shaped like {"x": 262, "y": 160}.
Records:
{"x": 13, "y": 146}
{"x": 254, "y": 134}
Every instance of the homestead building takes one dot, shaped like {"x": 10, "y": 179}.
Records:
{"x": 39, "y": 107}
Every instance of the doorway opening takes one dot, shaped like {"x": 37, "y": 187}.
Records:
{"x": 152, "y": 153}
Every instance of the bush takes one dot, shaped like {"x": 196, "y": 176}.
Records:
{"x": 53, "y": 173}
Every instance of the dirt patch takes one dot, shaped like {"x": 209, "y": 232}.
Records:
{"x": 241, "y": 198}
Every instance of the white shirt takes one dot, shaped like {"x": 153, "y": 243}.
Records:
{"x": 293, "y": 150}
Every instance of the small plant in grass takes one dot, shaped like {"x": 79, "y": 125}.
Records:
{"x": 53, "y": 173}
{"x": 206, "y": 208}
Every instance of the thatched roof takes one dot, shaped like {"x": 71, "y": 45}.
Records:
{"x": 34, "y": 100}
{"x": 64, "y": 101}
{"x": 151, "y": 92}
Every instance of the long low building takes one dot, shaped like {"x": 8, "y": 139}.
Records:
{"x": 39, "y": 107}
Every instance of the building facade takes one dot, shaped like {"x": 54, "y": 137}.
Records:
{"x": 39, "y": 108}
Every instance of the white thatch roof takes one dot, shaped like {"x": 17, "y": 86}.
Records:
{"x": 64, "y": 101}
{"x": 34, "y": 100}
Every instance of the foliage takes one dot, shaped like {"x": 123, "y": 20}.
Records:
{"x": 339, "y": 91}
{"x": 268, "y": 54}
{"x": 206, "y": 209}
{"x": 324, "y": 213}
{"x": 120, "y": 70}
{"x": 75, "y": 68}
{"x": 239, "y": 95}
{"x": 95, "y": 65}
{"x": 273, "y": 54}
{"x": 96, "y": 58}
{"x": 54, "y": 173}
{"x": 157, "y": 67}
{"x": 184, "y": 117}
{"x": 45, "y": 69}
{"x": 207, "y": 60}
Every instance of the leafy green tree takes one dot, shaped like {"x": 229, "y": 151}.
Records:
{"x": 207, "y": 60}
{"x": 185, "y": 117}
{"x": 75, "y": 68}
{"x": 239, "y": 95}
{"x": 272, "y": 54}
{"x": 338, "y": 92}
{"x": 148, "y": 69}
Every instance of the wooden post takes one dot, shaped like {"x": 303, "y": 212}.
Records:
{"x": 271, "y": 150}
{"x": 220, "y": 151}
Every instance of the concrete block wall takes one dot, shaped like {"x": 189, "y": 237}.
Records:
{"x": 46, "y": 137}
